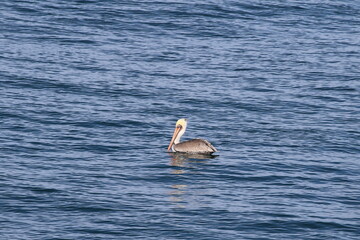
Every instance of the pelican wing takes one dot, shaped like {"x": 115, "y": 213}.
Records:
{"x": 195, "y": 146}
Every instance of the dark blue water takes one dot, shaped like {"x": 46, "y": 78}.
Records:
{"x": 90, "y": 92}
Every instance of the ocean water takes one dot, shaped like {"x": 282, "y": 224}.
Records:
{"x": 90, "y": 92}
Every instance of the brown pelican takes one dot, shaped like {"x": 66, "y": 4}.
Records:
{"x": 193, "y": 146}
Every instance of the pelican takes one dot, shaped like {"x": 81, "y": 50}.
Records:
{"x": 193, "y": 146}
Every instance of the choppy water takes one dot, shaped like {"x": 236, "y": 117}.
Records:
{"x": 90, "y": 92}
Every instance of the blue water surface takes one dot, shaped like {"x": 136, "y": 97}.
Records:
{"x": 90, "y": 92}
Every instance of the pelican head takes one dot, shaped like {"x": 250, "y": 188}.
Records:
{"x": 180, "y": 128}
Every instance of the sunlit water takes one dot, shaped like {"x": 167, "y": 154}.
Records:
{"x": 90, "y": 92}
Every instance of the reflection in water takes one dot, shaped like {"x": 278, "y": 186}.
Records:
{"x": 177, "y": 193}
{"x": 183, "y": 160}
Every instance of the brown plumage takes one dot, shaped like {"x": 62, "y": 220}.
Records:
{"x": 194, "y": 146}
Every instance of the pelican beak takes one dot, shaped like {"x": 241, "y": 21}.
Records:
{"x": 176, "y": 133}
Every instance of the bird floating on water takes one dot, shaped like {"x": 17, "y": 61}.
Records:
{"x": 193, "y": 146}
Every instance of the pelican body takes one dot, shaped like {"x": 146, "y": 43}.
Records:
{"x": 193, "y": 146}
